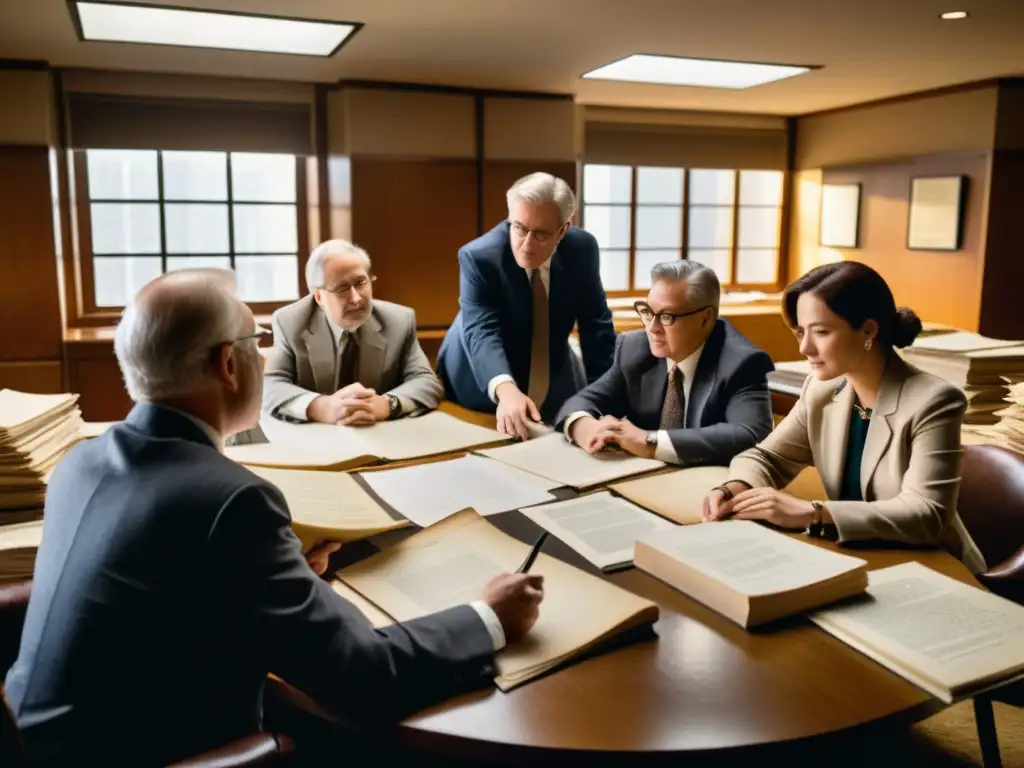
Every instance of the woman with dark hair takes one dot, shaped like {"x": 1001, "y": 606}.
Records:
{"x": 884, "y": 436}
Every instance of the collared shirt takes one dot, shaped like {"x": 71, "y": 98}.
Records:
{"x": 664, "y": 450}
{"x": 210, "y": 432}
{"x": 545, "y": 278}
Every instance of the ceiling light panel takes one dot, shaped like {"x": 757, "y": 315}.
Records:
{"x": 704, "y": 73}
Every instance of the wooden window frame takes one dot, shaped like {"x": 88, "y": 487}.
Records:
{"x": 79, "y": 282}
{"x": 734, "y": 249}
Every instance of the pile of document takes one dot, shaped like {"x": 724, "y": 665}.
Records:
{"x": 1009, "y": 431}
{"x": 35, "y": 433}
{"x": 18, "y": 546}
{"x": 983, "y": 368}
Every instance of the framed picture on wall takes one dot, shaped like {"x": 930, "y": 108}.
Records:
{"x": 935, "y": 221}
{"x": 840, "y": 215}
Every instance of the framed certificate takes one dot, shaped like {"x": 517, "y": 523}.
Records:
{"x": 840, "y": 215}
{"x": 936, "y": 213}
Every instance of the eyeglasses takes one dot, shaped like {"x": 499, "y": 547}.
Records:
{"x": 647, "y": 315}
{"x": 360, "y": 284}
{"x": 540, "y": 235}
{"x": 259, "y": 333}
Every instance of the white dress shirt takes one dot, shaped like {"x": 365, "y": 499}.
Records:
{"x": 297, "y": 408}
{"x": 545, "y": 278}
{"x": 664, "y": 450}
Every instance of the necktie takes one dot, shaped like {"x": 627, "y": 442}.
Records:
{"x": 674, "y": 409}
{"x": 348, "y": 366}
{"x": 539, "y": 342}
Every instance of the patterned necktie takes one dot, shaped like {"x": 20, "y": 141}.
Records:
{"x": 674, "y": 409}
{"x": 348, "y": 366}
{"x": 539, "y": 342}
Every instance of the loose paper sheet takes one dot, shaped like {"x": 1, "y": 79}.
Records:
{"x": 960, "y": 341}
{"x": 679, "y": 496}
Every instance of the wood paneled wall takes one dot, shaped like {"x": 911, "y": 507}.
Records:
{"x": 1003, "y": 278}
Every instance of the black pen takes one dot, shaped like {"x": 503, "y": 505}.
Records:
{"x": 534, "y": 551}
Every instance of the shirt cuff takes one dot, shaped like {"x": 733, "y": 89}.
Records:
{"x": 296, "y": 409}
{"x": 572, "y": 419}
{"x": 491, "y": 622}
{"x": 664, "y": 450}
{"x": 494, "y": 383}
{"x": 407, "y": 405}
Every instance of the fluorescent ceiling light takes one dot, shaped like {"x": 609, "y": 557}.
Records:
{"x": 954, "y": 15}
{"x": 161, "y": 25}
{"x": 707, "y": 73}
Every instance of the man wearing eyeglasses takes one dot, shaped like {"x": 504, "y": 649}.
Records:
{"x": 341, "y": 357}
{"x": 690, "y": 389}
{"x": 522, "y": 288}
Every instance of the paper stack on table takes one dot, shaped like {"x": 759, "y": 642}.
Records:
{"x": 35, "y": 433}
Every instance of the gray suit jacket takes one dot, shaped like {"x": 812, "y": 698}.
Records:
{"x": 169, "y": 583}
{"x": 729, "y": 408}
{"x": 391, "y": 360}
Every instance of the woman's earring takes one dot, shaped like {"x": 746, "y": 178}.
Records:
{"x": 867, "y": 345}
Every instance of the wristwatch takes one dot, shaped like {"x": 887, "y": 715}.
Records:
{"x": 652, "y": 439}
{"x": 394, "y": 406}
{"x": 816, "y": 528}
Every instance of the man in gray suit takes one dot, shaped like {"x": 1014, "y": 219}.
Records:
{"x": 691, "y": 390}
{"x": 170, "y": 583}
{"x": 341, "y": 357}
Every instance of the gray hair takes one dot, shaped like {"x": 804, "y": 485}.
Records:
{"x": 539, "y": 188}
{"x": 163, "y": 343}
{"x": 702, "y": 286}
{"x": 317, "y": 263}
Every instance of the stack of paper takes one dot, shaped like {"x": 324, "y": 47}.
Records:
{"x": 1009, "y": 431}
{"x": 18, "y": 546}
{"x": 35, "y": 432}
{"x": 789, "y": 376}
{"x": 326, "y": 446}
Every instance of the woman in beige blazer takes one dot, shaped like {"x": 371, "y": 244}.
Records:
{"x": 884, "y": 436}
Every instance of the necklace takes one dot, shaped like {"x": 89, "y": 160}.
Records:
{"x": 864, "y": 413}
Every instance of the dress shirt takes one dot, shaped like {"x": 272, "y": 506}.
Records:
{"x": 545, "y": 278}
{"x": 297, "y": 408}
{"x": 209, "y": 431}
{"x": 664, "y": 450}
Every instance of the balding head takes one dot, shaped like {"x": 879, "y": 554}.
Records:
{"x": 166, "y": 339}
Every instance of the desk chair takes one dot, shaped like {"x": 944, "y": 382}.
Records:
{"x": 991, "y": 505}
{"x": 259, "y": 749}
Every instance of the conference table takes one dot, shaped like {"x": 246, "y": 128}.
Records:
{"x": 702, "y": 688}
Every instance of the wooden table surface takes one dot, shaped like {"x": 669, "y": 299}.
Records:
{"x": 703, "y": 686}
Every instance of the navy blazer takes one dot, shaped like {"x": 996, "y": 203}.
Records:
{"x": 492, "y": 333}
{"x": 729, "y": 408}
{"x": 169, "y": 583}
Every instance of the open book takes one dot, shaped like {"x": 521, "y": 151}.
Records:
{"x": 679, "y": 496}
{"x": 329, "y": 506}
{"x": 327, "y": 446}
{"x": 555, "y": 458}
{"x": 601, "y": 527}
{"x": 747, "y": 572}
{"x": 449, "y": 563}
{"x": 949, "y": 638}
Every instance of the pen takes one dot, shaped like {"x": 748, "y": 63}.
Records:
{"x": 534, "y": 551}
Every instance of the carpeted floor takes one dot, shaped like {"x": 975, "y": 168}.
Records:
{"x": 950, "y": 739}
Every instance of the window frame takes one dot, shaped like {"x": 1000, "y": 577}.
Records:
{"x": 80, "y": 291}
{"x": 732, "y": 285}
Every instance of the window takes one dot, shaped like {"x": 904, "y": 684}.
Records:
{"x": 150, "y": 212}
{"x": 727, "y": 219}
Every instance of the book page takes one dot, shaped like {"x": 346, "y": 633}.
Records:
{"x": 449, "y": 564}
{"x": 932, "y": 625}
{"x": 960, "y": 341}
{"x": 284, "y": 455}
{"x": 428, "y": 493}
{"x": 599, "y": 526}
{"x": 751, "y": 559}
{"x": 557, "y": 459}
{"x": 679, "y": 496}
{"x": 328, "y": 505}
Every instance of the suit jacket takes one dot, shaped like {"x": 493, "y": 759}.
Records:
{"x": 491, "y": 335}
{"x": 910, "y": 470}
{"x": 169, "y": 583}
{"x": 729, "y": 408}
{"x": 303, "y": 358}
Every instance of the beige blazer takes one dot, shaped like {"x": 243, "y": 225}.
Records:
{"x": 910, "y": 471}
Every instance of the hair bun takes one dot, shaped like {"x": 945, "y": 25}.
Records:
{"x": 905, "y": 327}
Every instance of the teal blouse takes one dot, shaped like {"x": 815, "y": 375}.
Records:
{"x": 850, "y": 490}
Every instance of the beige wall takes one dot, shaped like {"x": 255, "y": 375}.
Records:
{"x": 952, "y": 122}
{"x": 26, "y": 108}
{"x": 186, "y": 86}
{"x": 529, "y": 129}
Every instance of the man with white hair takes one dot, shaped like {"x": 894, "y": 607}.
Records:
{"x": 522, "y": 288}
{"x": 689, "y": 390}
{"x": 169, "y": 582}
{"x": 341, "y": 357}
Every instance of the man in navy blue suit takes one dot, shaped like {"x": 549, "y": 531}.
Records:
{"x": 522, "y": 288}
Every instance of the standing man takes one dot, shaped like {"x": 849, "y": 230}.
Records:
{"x": 339, "y": 356}
{"x": 522, "y": 288}
{"x": 690, "y": 390}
